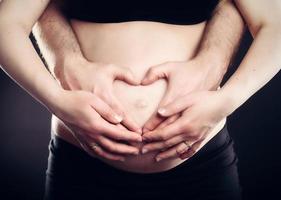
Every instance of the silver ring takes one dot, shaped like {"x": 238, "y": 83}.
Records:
{"x": 187, "y": 144}
{"x": 94, "y": 146}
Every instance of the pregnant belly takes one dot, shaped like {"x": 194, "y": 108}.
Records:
{"x": 140, "y": 102}
{"x": 138, "y": 46}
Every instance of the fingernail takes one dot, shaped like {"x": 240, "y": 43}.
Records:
{"x": 144, "y": 151}
{"x": 161, "y": 111}
{"x": 118, "y": 118}
{"x": 136, "y": 152}
{"x": 158, "y": 159}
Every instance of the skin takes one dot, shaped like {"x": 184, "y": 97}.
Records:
{"x": 73, "y": 71}
{"x": 218, "y": 44}
{"x": 257, "y": 68}
{"x": 260, "y": 64}
{"x": 17, "y": 20}
{"x": 68, "y": 51}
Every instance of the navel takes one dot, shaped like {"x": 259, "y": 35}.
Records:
{"x": 141, "y": 103}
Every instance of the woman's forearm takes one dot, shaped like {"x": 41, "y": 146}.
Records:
{"x": 20, "y": 61}
{"x": 261, "y": 63}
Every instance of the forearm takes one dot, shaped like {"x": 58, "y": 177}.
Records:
{"x": 221, "y": 38}
{"x": 56, "y": 39}
{"x": 261, "y": 63}
{"x": 21, "y": 62}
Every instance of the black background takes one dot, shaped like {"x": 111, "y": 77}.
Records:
{"x": 25, "y": 133}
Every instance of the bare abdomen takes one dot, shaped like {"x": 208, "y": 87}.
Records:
{"x": 137, "y": 46}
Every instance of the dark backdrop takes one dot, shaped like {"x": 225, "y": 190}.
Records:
{"x": 25, "y": 133}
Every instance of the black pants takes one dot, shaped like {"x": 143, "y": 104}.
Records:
{"x": 209, "y": 174}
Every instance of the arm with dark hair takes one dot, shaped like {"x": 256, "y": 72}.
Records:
{"x": 206, "y": 69}
{"x": 57, "y": 41}
{"x": 221, "y": 38}
{"x": 60, "y": 48}
{"x": 202, "y": 110}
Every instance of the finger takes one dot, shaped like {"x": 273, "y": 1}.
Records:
{"x": 152, "y": 147}
{"x": 176, "y": 106}
{"x": 116, "y": 133}
{"x": 105, "y": 111}
{"x": 85, "y": 142}
{"x": 168, "y": 121}
{"x": 170, "y": 153}
{"x": 116, "y": 147}
{"x": 156, "y": 119}
{"x": 175, "y": 151}
{"x": 102, "y": 153}
{"x": 191, "y": 151}
{"x": 176, "y": 128}
{"x": 121, "y": 126}
{"x": 163, "y": 144}
{"x": 127, "y": 119}
{"x": 125, "y": 74}
{"x": 155, "y": 73}
{"x": 152, "y": 122}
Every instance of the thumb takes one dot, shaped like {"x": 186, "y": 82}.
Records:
{"x": 155, "y": 120}
{"x": 124, "y": 74}
{"x": 176, "y": 106}
{"x": 155, "y": 73}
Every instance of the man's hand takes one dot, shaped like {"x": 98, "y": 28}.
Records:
{"x": 98, "y": 78}
{"x": 183, "y": 78}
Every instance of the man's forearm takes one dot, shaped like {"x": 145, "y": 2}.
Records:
{"x": 221, "y": 38}
{"x": 56, "y": 39}
{"x": 222, "y": 35}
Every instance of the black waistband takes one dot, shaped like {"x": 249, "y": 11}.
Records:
{"x": 63, "y": 154}
{"x": 178, "y": 12}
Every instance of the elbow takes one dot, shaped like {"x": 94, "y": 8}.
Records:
{"x": 267, "y": 24}
{"x": 274, "y": 27}
{"x": 272, "y": 21}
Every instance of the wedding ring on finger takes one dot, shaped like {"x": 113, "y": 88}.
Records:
{"x": 94, "y": 146}
{"x": 185, "y": 146}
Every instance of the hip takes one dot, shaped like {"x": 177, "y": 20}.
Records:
{"x": 212, "y": 172}
{"x": 142, "y": 163}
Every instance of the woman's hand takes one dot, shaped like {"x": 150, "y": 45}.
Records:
{"x": 98, "y": 78}
{"x": 81, "y": 111}
{"x": 183, "y": 77}
{"x": 187, "y": 132}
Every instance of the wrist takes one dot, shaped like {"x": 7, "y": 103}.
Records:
{"x": 213, "y": 60}
{"x": 213, "y": 70}
{"x": 230, "y": 99}
{"x": 72, "y": 60}
{"x": 46, "y": 90}
{"x": 67, "y": 71}
{"x": 67, "y": 61}
{"x": 55, "y": 99}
